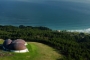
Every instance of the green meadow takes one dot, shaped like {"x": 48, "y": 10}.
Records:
{"x": 37, "y": 51}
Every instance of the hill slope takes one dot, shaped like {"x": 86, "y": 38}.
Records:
{"x": 37, "y": 51}
{"x": 45, "y": 52}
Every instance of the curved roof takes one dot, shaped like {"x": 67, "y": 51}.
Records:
{"x": 19, "y": 41}
{"x": 19, "y": 46}
{"x": 7, "y": 42}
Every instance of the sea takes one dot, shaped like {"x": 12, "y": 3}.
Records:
{"x": 73, "y": 15}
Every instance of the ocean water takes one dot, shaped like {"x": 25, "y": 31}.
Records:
{"x": 57, "y": 15}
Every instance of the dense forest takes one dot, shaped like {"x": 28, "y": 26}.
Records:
{"x": 73, "y": 45}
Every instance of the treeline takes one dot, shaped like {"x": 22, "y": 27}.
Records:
{"x": 73, "y": 45}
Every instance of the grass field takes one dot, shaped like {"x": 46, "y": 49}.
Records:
{"x": 37, "y": 51}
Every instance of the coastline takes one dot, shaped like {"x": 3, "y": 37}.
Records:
{"x": 87, "y": 30}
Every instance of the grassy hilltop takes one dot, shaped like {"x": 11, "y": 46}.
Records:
{"x": 37, "y": 51}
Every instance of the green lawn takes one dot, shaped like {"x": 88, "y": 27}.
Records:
{"x": 37, "y": 51}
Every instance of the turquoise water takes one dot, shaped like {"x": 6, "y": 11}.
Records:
{"x": 63, "y": 15}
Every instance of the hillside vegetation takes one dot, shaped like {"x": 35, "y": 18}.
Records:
{"x": 37, "y": 51}
{"x": 73, "y": 45}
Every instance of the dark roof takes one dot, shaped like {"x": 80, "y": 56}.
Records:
{"x": 18, "y": 44}
{"x": 7, "y": 42}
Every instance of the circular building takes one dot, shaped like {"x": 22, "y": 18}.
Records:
{"x": 18, "y": 47}
{"x": 15, "y": 45}
{"x": 7, "y": 43}
{"x": 19, "y": 41}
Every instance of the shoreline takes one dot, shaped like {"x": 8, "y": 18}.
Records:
{"x": 83, "y": 30}
{"x": 76, "y": 30}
